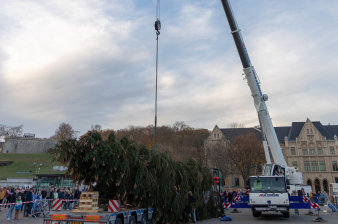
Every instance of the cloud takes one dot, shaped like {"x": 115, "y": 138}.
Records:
{"x": 92, "y": 62}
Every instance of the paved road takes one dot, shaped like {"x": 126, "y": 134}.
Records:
{"x": 22, "y": 220}
{"x": 245, "y": 217}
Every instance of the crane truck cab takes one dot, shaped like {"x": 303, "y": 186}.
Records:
{"x": 269, "y": 194}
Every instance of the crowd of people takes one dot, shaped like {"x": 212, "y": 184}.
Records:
{"x": 24, "y": 199}
{"x": 229, "y": 196}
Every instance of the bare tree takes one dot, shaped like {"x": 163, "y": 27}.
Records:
{"x": 65, "y": 131}
{"x": 180, "y": 126}
{"x": 236, "y": 125}
{"x": 220, "y": 157}
{"x": 247, "y": 154}
{"x": 11, "y": 131}
{"x": 96, "y": 127}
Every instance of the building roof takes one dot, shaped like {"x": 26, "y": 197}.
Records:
{"x": 281, "y": 132}
{"x": 231, "y": 133}
{"x": 295, "y": 129}
{"x": 328, "y": 131}
{"x": 291, "y": 132}
{"x": 323, "y": 130}
{"x": 332, "y": 129}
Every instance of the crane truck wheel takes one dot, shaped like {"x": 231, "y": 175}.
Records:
{"x": 286, "y": 214}
{"x": 255, "y": 213}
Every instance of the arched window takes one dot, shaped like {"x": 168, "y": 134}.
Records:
{"x": 325, "y": 185}
{"x": 317, "y": 186}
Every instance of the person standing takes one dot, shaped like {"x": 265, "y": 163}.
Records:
{"x": 29, "y": 205}
{"x": 50, "y": 197}
{"x": 77, "y": 195}
{"x": 192, "y": 200}
{"x": 71, "y": 198}
{"x": 22, "y": 197}
{"x": 43, "y": 193}
{"x": 66, "y": 200}
{"x": 12, "y": 200}
{"x": 18, "y": 206}
{"x": 2, "y": 195}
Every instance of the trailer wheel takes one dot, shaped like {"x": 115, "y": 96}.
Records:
{"x": 118, "y": 221}
{"x": 144, "y": 219}
{"x": 132, "y": 220}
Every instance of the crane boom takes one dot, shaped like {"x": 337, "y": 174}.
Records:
{"x": 259, "y": 98}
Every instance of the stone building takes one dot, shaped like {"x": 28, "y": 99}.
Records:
{"x": 313, "y": 149}
{"x": 309, "y": 146}
{"x": 27, "y": 145}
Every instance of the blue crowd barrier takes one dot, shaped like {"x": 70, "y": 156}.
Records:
{"x": 296, "y": 202}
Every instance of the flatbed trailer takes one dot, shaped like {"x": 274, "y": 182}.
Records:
{"x": 131, "y": 216}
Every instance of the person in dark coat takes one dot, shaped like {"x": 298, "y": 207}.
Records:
{"x": 22, "y": 196}
{"x": 29, "y": 198}
{"x": 50, "y": 197}
{"x": 43, "y": 193}
{"x": 12, "y": 199}
{"x": 192, "y": 200}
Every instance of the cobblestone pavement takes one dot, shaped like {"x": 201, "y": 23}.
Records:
{"x": 244, "y": 217}
{"x": 26, "y": 220}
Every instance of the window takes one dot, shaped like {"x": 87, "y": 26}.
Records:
{"x": 314, "y": 166}
{"x": 312, "y": 151}
{"x": 267, "y": 185}
{"x": 310, "y": 138}
{"x": 307, "y": 130}
{"x": 294, "y": 164}
{"x": 334, "y": 166}
{"x": 322, "y": 166}
{"x": 332, "y": 152}
{"x": 305, "y": 152}
{"x": 214, "y": 135}
{"x": 311, "y": 131}
{"x": 307, "y": 166}
{"x": 336, "y": 179}
{"x": 293, "y": 151}
{"x": 320, "y": 151}
{"x": 237, "y": 182}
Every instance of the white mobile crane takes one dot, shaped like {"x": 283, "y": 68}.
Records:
{"x": 269, "y": 191}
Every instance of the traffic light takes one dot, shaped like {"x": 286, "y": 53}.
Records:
{"x": 216, "y": 180}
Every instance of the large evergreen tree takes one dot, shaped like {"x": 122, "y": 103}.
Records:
{"x": 130, "y": 172}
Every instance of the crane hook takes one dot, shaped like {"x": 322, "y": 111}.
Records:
{"x": 157, "y": 26}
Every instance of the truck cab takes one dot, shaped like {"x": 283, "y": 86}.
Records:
{"x": 268, "y": 194}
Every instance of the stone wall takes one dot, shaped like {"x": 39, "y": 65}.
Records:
{"x": 28, "y": 145}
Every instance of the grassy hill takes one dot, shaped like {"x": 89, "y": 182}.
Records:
{"x": 25, "y": 163}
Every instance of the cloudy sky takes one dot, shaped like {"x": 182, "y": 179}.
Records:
{"x": 91, "y": 62}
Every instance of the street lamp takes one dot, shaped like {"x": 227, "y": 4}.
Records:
{"x": 37, "y": 167}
